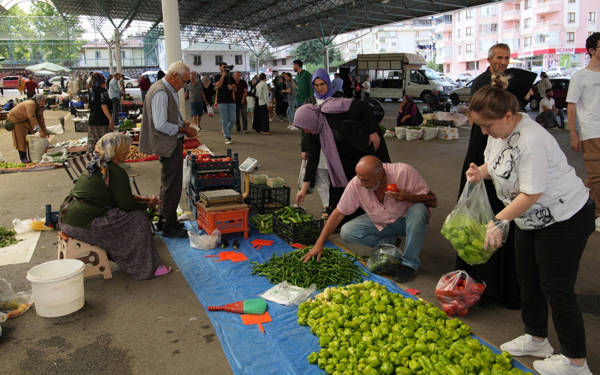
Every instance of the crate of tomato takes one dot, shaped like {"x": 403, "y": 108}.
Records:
{"x": 209, "y": 172}
{"x": 202, "y": 181}
{"x": 294, "y": 225}
{"x": 213, "y": 162}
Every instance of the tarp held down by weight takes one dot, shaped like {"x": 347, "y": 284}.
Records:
{"x": 284, "y": 346}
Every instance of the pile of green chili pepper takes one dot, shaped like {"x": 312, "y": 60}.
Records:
{"x": 334, "y": 268}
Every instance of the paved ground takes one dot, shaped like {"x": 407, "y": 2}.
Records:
{"x": 159, "y": 327}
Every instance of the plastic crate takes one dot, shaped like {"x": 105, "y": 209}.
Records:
{"x": 304, "y": 233}
{"x": 202, "y": 181}
{"x": 81, "y": 126}
{"x": 268, "y": 199}
{"x": 435, "y": 122}
{"x": 228, "y": 221}
{"x": 212, "y": 163}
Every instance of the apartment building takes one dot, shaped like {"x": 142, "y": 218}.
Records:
{"x": 542, "y": 34}
{"x": 411, "y": 37}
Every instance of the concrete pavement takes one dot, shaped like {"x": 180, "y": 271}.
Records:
{"x": 159, "y": 327}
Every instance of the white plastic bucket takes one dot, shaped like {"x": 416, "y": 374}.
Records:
{"x": 57, "y": 287}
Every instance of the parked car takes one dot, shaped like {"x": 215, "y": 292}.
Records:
{"x": 560, "y": 87}
{"x": 151, "y": 75}
{"x": 54, "y": 80}
{"x": 130, "y": 82}
{"x": 10, "y": 82}
{"x": 462, "y": 95}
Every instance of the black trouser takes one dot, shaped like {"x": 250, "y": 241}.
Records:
{"x": 261, "y": 118}
{"x": 241, "y": 110}
{"x": 547, "y": 264}
{"x": 116, "y": 108}
{"x": 171, "y": 181}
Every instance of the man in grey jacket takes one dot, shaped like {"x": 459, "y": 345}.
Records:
{"x": 162, "y": 133}
{"x": 115, "y": 93}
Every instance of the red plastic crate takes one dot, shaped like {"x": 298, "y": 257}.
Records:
{"x": 227, "y": 221}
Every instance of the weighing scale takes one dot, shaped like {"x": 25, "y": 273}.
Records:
{"x": 248, "y": 166}
{"x": 219, "y": 197}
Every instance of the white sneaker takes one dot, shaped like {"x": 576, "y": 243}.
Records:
{"x": 598, "y": 224}
{"x": 527, "y": 345}
{"x": 558, "y": 364}
{"x": 228, "y": 141}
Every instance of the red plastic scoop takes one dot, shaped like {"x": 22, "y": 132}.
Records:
{"x": 257, "y": 319}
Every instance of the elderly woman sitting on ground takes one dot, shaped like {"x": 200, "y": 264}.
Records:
{"x": 101, "y": 210}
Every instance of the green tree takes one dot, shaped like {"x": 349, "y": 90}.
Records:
{"x": 61, "y": 35}
{"x": 266, "y": 56}
{"x": 16, "y": 31}
{"x": 311, "y": 52}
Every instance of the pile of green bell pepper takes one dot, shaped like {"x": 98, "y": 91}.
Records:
{"x": 365, "y": 329}
{"x": 467, "y": 237}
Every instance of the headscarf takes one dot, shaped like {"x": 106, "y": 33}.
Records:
{"x": 322, "y": 73}
{"x": 107, "y": 147}
{"x": 311, "y": 117}
{"x": 407, "y": 107}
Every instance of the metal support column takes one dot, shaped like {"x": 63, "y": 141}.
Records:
{"x": 170, "y": 11}
{"x": 118, "y": 51}
{"x": 111, "y": 70}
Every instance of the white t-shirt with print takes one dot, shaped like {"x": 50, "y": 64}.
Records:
{"x": 546, "y": 102}
{"x": 530, "y": 161}
{"x": 584, "y": 90}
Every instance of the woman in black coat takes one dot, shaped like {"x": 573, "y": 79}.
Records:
{"x": 345, "y": 129}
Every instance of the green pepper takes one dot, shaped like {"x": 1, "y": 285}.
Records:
{"x": 386, "y": 368}
{"x": 425, "y": 363}
{"x": 403, "y": 371}
{"x": 407, "y": 351}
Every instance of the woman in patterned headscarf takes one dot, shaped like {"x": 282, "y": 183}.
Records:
{"x": 101, "y": 210}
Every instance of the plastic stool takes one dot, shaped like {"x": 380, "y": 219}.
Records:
{"x": 95, "y": 259}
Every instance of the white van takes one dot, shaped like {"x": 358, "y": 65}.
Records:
{"x": 396, "y": 74}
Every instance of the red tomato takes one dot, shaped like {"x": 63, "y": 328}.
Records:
{"x": 449, "y": 310}
{"x": 392, "y": 187}
{"x": 463, "y": 312}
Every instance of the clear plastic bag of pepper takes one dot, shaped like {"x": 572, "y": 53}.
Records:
{"x": 458, "y": 292}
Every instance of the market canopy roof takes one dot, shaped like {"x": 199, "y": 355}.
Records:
{"x": 47, "y": 66}
{"x": 278, "y": 22}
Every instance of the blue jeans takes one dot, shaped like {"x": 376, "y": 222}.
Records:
{"x": 361, "y": 230}
{"x": 291, "y": 110}
{"x": 227, "y": 114}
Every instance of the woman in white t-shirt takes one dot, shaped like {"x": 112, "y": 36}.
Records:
{"x": 554, "y": 217}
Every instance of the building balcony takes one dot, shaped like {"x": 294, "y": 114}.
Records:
{"x": 423, "y": 37}
{"x": 443, "y": 27}
{"x": 548, "y": 26}
{"x": 443, "y": 59}
{"x": 510, "y": 31}
{"x": 551, "y": 6}
{"x": 511, "y": 15}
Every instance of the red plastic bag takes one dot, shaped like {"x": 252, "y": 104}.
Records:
{"x": 458, "y": 292}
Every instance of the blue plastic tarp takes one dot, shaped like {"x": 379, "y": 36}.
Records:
{"x": 284, "y": 346}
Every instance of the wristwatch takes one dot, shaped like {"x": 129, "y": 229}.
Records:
{"x": 497, "y": 222}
